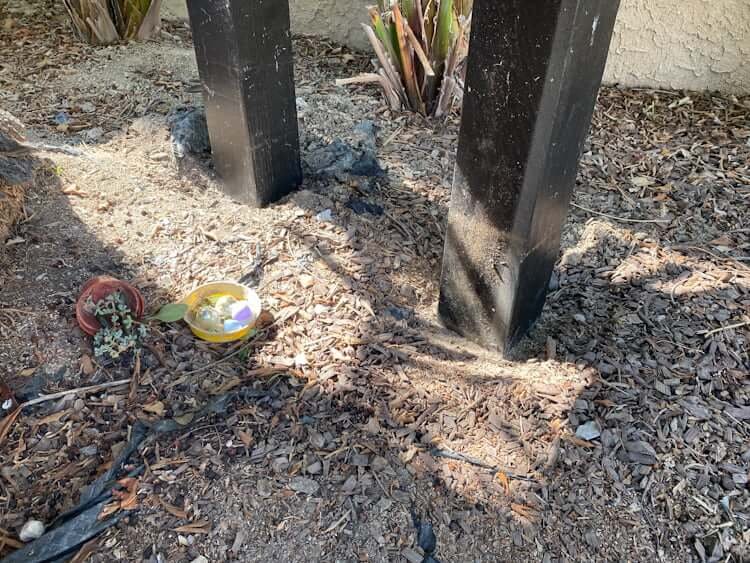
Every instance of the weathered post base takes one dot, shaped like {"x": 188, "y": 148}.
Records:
{"x": 244, "y": 54}
{"x": 533, "y": 73}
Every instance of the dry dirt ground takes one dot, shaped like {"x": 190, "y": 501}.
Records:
{"x": 355, "y": 411}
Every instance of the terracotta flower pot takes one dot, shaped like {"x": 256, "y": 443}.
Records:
{"x": 98, "y": 288}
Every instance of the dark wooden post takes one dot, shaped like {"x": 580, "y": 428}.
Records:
{"x": 533, "y": 73}
{"x": 244, "y": 54}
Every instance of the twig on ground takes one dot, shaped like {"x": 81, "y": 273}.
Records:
{"x": 60, "y": 394}
{"x": 450, "y": 454}
{"x": 623, "y": 219}
{"x": 723, "y": 328}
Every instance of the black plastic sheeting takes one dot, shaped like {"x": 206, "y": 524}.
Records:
{"x": 426, "y": 538}
{"x": 70, "y": 530}
{"x": 342, "y": 160}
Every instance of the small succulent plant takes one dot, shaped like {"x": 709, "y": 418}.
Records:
{"x": 120, "y": 335}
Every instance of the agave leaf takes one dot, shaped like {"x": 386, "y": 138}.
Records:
{"x": 421, "y": 55}
{"x": 422, "y": 33}
{"x": 118, "y": 12}
{"x": 390, "y": 91}
{"x": 429, "y": 16}
{"x": 409, "y": 11}
{"x": 385, "y": 63}
{"x": 407, "y": 63}
{"x": 385, "y": 36}
{"x": 421, "y": 46}
{"x": 464, "y": 7}
{"x": 108, "y": 21}
{"x": 443, "y": 39}
{"x": 151, "y": 22}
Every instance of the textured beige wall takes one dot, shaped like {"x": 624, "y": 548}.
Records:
{"x": 690, "y": 44}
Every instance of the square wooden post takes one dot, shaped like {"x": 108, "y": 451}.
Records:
{"x": 534, "y": 70}
{"x": 245, "y": 61}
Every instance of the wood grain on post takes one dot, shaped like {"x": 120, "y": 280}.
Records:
{"x": 245, "y": 61}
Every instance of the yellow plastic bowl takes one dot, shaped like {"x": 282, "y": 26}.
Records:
{"x": 236, "y": 290}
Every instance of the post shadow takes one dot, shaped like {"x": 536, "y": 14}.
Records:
{"x": 534, "y": 71}
{"x": 533, "y": 74}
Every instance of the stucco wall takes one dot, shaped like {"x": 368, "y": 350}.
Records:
{"x": 690, "y": 44}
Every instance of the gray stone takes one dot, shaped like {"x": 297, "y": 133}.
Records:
{"x": 589, "y": 430}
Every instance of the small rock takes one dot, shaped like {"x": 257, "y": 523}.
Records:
{"x": 412, "y": 556}
{"x": 61, "y": 118}
{"x": 90, "y": 450}
{"x": 93, "y": 134}
{"x": 326, "y": 216}
{"x": 31, "y": 530}
{"x": 306, "y": 281}
{"x": 199, "y": 559}
{"x": 578, "y": 317}
{"x": 188, "y": 130}
{"x": 589, "y": 430}
{"x": 314, "y": 468}
{"x": 304, "y": 485}
{"x": 302, "y": 107}
{"x": 88, "y": 107}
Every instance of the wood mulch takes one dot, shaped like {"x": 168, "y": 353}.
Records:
{"x": 618, "y": 432}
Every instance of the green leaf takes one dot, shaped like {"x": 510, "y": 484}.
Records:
{"x": 443, "y": 32}
{"x": 171, "y": 312}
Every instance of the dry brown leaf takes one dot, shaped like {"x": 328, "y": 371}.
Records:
{"x": 54, "y": 417}
{"x": 87, "y": 365}
{"x": 108, "y": 510}
{"x": 246, "y": 437}
{"x": 72, "y": 190}
{"x": 86, "y": 550}
{"x": 7, "y": 423}
{"x": 503, "y": 478}
{"x": 7, "y": 540}
{"x": 173, "y": 510}
{"x": 226, "y": 386}
{"x": 575, "y": 440}
{"x": 156, "y": 408}
{"x": 523, "y": 511}
{"x": 129, "y": 497}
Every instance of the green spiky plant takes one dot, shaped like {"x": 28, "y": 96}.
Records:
{"x": 420, "y": 46}
{"x": 101, "y": 22}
